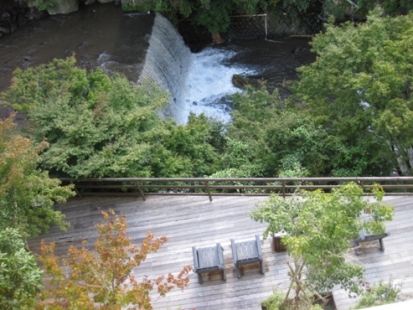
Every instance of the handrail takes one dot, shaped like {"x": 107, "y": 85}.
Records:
{"x": 231, "y": 186}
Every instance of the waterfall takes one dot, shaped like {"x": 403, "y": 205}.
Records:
{"x": 197, "y": 83}
{"x": 167, "y": 63}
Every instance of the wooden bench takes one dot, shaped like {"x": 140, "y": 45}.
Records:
{"x": 208, "y": 259}
{"x": 365, "y": 237}
{"x": 247, "y": 252}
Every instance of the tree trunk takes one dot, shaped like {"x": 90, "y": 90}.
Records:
{"x": 409, "y": 167}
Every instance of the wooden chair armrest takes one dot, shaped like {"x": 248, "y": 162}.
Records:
{"x": 195, "y": 256}
{"x": 220, "y": 255}
{"x": 258, "y": 241}
{"x": 234, "y": 251}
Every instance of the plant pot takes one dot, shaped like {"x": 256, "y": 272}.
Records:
{"x": 277, "y": 242}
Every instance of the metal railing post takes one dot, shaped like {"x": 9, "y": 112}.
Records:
{"x": 362, "y": 185}
{"x": 208, "y": 190}
{"x": 140, "y": 191}
{"x": 75, "y": 189}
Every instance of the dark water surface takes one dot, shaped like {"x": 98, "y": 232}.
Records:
{"x": 97, "y": 35}
{"x": 274, "y": 61}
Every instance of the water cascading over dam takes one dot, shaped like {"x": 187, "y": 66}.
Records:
{"x": 197, "y": 83}
{"x": 167, "y": 63}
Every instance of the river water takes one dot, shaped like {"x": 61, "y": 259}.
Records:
{"x": 210, "y": 77}
{"x": 101, "y": 35}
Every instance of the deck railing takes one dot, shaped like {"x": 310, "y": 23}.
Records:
{"x": 231, "y": 186}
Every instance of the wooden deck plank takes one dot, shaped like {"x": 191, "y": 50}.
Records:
{"x": 195, "y": 221}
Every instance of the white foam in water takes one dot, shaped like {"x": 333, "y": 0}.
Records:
{"x": 196, "y": 82}
{"x": 209, "y": 80}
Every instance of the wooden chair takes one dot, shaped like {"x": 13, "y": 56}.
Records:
{"x": 209, "y": 259}
{"x": 247, "y": 252}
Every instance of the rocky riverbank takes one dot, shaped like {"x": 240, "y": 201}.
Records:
{"x": 14, "y": 14}
{"x": 99, "y": 35}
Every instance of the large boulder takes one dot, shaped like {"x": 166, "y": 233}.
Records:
{"x": 217, "y": 39}
{"x": 242, "y": 81}
{"x": 64, "y": 7}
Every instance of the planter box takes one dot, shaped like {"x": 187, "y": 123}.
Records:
{"x": 278, "y": 245}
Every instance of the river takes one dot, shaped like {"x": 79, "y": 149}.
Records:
{"x": 101, "y": 35}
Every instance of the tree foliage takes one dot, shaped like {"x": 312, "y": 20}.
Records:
{"x": 99, "y": 126}
{"x": 379, "y": 294}
{"x": 212, "y": 14}
{"x": 359, "y": 88}
{"x": 27, "y": 194}
{"x": 342, "y": 9}
{"x": 104, "y": 279}
{"x": 355, "y": 115}
{"x": 215, "y": 14}
{"x": 41, "y": 4}
{"x": 277, "y": 137}
{"x": 194, "y": 146}
{"x": 20, "y": 278}
{"x": 318, "y": 229}
{"x": 391, "y": 8}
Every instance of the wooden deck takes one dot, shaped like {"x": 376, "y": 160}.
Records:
{"x": 194, "y": 221}
{"x": 396, "y": 262}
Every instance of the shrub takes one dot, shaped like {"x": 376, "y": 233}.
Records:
{"x": 274, "y": 301}
{"x": 380, "y": 294}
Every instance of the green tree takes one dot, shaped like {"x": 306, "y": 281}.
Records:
{"x": 193, "y": 145}
{"x": 20, "y": 278}
{"x": 100, "y": 126}
{"x": 238, "y": 161}
{"x": 278, "y": 136}
{"x": 318, "y": 229}
{"x": 212, "y": 14}
{"x": 346, "y": 9}
{"x": 103, "y": 279}
{"x": 27, "y": 194}
{"x": 392, "y": 8}
{"x": 359, "y": 88}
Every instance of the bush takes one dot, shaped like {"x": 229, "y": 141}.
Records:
{"x": 277, "y": 302}
{"x": 273, "y": 302}
{"x": 20, "y": 278}
{"x": 380, "y": 294}
{"x": 101, "y": 126}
